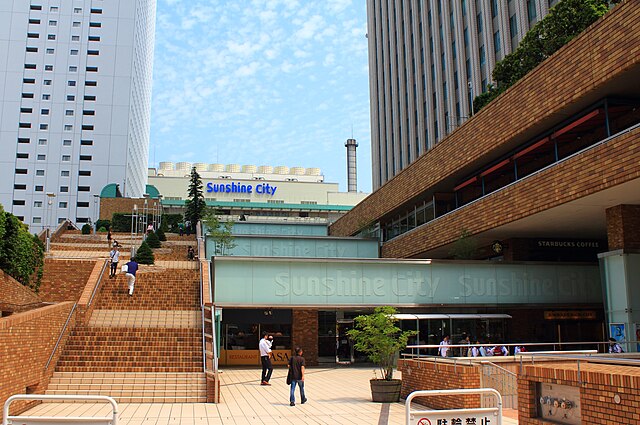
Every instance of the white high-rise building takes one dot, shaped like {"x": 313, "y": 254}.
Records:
{"x": 75, "y": 100}
{"x": 428, "y": 59}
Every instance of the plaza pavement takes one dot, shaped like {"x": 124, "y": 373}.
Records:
{"x": 336, "y": 396}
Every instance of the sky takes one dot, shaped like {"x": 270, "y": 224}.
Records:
{"x": 263, "y": 82}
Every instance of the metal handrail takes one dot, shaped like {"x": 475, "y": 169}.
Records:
{"x": 521, "y": 344}
{"x": 95, "y": 288}
{"x": 7, "y": 419}
{"x": 498, "y": 367}
{"x": 62, "y": 331}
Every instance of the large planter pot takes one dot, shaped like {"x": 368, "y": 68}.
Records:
{"x": 383, "y": 391}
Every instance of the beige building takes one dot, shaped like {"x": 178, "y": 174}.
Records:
{"x": 249, "y": 190}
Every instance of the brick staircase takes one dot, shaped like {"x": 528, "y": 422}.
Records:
{"x": 144, "y": 348}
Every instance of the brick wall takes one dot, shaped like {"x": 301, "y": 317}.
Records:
{"x": 623, "y": 227}
{"x": 86, "y": 304}
{"x": 64, "y": 280}
{"x": 15, "y": 296}
{"x": 28, "y": 339}
{"x": 598, "y": 384}
{"x": 109, "y": 206}
{"x": 305, "y": 334}
{"x": 577, "y": 75}
{"x": 419, "y": 375}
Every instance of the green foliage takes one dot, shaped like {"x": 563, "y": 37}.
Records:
{"x": 378, "y": 336}
{"x": 220, "y": 232}
{"x": 86, "y": 229}
{"x": 161, "y": 236}
{"x": 564, "y": 22}
{"x": 170, "y": 222}
{"x": 195, "y": 205}
{"x": 144, "y": 255}
{"x": 103, "y": 224}
{"x": 121, "y": 222}
{"x": 153, "y": 240}
{"x": 21, "y": 254}
{"x": 465, "y": 247}
{"x": 102, "y": 230}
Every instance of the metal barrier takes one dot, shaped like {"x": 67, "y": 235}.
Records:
{"x": 503, "y": 381}
{"x": 28, "y": 420}
{"x": 62, "y": 331}
{"x": 462, "y": 416}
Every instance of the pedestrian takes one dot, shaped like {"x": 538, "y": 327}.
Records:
{"x": 149, "y": 228}
{"x": 109, "y": 237}
{"x": 614, "y": 347}
{"x": 114, "y": 257}
{"x": 187, "y": 227}
{"x": 296, "y": 376}
{"x": 181, "y": 228}
{"x": 132, "y": 268}
{"x": 190, "y": 253}
{"x": 443, "y": 350}
{"x": 265, "y": 357}
{"x": 464, "y": 341}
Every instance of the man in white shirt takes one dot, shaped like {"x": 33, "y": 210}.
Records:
{"x": 114, "y": 257}
{"x": 265, "y": 357}
{"x": 444, "y": 346}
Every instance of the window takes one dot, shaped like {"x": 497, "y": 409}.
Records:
{"x": 50, "y": 51}
{"x": 27, "y": 95}
{"x": 84, "y": 189}
{"x": 26, "y": 110}
{"x": 68, "y": 127}
{"x": 44, "y": 126}
{"x": 531, "y": 10}
{"x": 494, "y": 8}
{"x": 39, "y": 188}
{"x": 513, "y": 25}
{"x": 53, "y": 23}
{"x": 32, "y": 49}
{"x": 93, "y": 52}
{"x": 75, "y": 38}
{"x": 64, "y": 189}
{"x": 87, "y": 127}
{"x": 22, "y": 155}
{"x": 30, "y": 66}
{"x": 84, "y": 173}
{"x": 36, "y": 220}
{"x": 19, "y": 202}
{"x": 71, "y": 97}
{"x": 73, "y": 52}
{"x": 483, "y": 59}
{"x": 82, "y": 204}
{"x": 73, "y": 68}
{"x": 25, "y": 125}
{"x": 62, "y": 204}
{"x": 66, "y": 142}
{"x": 39, "y": 172}
{"x": 91, "y": 83}
{"x": 87, "y": 112}
{"x": 53, "y": 9}
{"x": 33, "y": 35}
{"x": 48, "y": 67}
{"x": 496, "y": 41}
{"x": 86, "y": 142}
{"x": 35, "y": 7}
{"x": 96, "y": 11}
{"x": 51, "y": 36}
{"x": 34, "y": 21}
{"x": 85, "y": 157}
{"x": 42, "y": 142}
{"x": 76, "y": 24}
{"x": 41, "y": 157}
{"x": 44, "y": 111}
{"x": 44, "y": 96}
{"x": 24, "y": 140}
{"x": 95, "y": 24}
{"x": 21, "y": 171}
{"x": 479, "y": 19}
{"x": 92, "y": 69}
{"x": 68, "y": 112}
{"x": 94, "y": 38}
{"x": 46, "y": 82}
{"x": 64, "y": 173}
{"x": 19, "y": 187}
{"x": 71, "y": 83}
{"x": 89, "y": 97}
{"x": 77, "y": 10}
{"x": 37, "y": 204}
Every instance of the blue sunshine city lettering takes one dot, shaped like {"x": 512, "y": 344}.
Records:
{"x": 263, "y": 188}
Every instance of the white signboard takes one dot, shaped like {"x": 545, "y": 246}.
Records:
{"x": 462, "y": 417}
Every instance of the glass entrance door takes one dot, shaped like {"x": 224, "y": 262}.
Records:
{"x": 344, "y": 344}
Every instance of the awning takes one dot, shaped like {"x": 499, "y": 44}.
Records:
{"x": 404, "y": 316}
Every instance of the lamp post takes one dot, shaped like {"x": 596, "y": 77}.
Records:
{"x": 134, "y": 229}
{"x": 470, "y": 85}
{"x": 95, "y": 212}
{"x": 159, "y": 211}
{"x": 145, "y": 219}
{"x": 50, "y": 197}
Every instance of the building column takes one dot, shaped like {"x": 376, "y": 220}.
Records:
{"x": 621, "y": 272}
{"x": 304, "y": 333}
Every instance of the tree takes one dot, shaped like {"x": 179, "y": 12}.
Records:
{"x": 220, "y": 232}
{"x": 161, "y": 236}
{"x": 465, "y": 247}
{"x": 153, "y": 241}
{"x": 21, "y": 253}
{"x": 195, "y": 205}
{"x": 86, "y": 229}
{"x": 378, "y": 336}
{"x": 144, "y": 255}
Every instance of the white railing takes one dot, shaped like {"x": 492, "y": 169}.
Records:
{"x": 503, "y": 381}
{"x": 28, "y": 420}
{"x": 440, "y": 416}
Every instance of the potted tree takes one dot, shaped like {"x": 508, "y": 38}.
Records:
{"x": 378, "y": 336}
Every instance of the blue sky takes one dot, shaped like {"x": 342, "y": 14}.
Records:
{"x": 270, "y": 82}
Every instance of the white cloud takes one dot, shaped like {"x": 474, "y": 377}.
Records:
{"x": 329, "y": 59}
{"x": 310, "y": 27}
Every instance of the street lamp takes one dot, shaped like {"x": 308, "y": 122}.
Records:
{"x": 50, "y": 197}
{"x": 95, "y": 212}
{"x": 134, "y": 229}
{"x": 470, "y": 85}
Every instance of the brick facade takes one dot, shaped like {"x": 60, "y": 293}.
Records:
{"x": 15, "y": 296}
{"x": 28, "y": 339}
{"x": 598, "y": 384}
{"x": 419, "y": 375}
{"x": 305, "y": 334}
{"x": 87, "y": 300}
{"x": 605, "y": 54}
{"x": 64, "y": 280}
{"x": 623, "y": 227}
{"x": 109, "y": 206}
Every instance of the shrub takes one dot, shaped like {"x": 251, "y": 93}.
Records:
{"x": 153, "y": 241}
{"x": 161, "y": 236}
{"x": 102, "y": 230}
{"x": 21, "y": 254}
{"x": 106, "y": 224}
{"x": 144, "y": 255}
{"x": 86, "y": 229}
{"x": 170, "y": 222}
